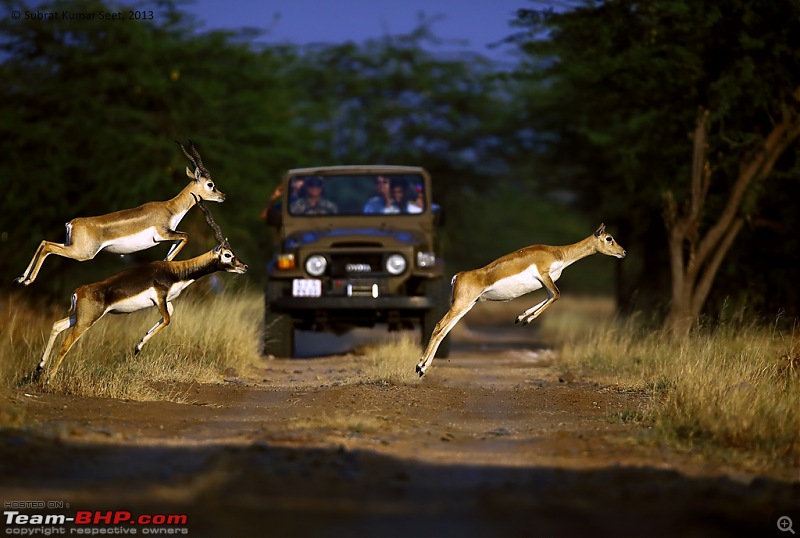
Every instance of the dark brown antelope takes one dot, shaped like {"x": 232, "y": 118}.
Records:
{"x": 154, "y": 284}
{"x": 512, "y": 276}
{"x": 131, "y": 230}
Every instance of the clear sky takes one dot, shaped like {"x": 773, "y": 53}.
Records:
{"x": 471, "y": 24}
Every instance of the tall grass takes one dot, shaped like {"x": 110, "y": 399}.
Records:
{"x": 209, "y": 335}
{"x": 733, "y": 387}
{"x": 391, "y": 362}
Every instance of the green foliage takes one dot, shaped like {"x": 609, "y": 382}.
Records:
{"x": 391, "y": 101}
{"x": 593, "y": 126}
{"x": 90, "y": 111}
{"x": 612, "y": 89}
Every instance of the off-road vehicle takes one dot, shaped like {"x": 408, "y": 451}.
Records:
{"x": 354, "y": 246}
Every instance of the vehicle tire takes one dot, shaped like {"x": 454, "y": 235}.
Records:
{"x": 278, "y": 329}
{"x": 278, "y": 336}
{"x": 439, "y": 290}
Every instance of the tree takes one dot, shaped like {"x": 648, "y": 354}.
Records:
{"x": 393, "y": 100}
{"x": 89, "y": 111}
{"x": 613, "y": 88}
{"x": 695, "y": 257}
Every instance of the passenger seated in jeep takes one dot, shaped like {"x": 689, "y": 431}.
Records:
{"x": 382, "y": 202}
{"x": 405, "y": 197}
{"x": 312, "y": 203}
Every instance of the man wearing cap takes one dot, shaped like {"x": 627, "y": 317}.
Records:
{"x": 313, "y": 203}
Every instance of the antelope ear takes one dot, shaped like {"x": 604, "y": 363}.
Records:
{"x": 600, "y": 230}
{"x": 189, "y": 173}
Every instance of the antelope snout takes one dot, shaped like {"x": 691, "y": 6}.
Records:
{"x": 239, "y": 268}
{"x": 623, "y": 254}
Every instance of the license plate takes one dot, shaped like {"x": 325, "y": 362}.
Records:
{"x": 306, "y": 287}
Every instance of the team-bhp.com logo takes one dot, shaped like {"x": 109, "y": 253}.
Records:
{"x": 93, "y": 522}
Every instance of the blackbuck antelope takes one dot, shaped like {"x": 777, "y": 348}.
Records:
{"x": 512, "y": 276}
{"x": 154, "y": 284}
{"x": 131, "y": 230}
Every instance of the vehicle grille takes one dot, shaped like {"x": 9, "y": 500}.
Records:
{"x": 348, "y": 265}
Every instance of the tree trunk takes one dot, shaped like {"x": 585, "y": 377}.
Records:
{"x": 695, "y": 259}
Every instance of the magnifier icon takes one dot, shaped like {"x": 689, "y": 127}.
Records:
{"x": 785, "y": 524}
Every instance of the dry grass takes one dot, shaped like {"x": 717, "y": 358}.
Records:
{"x": 346, "y": 424}
{"x": 391, "y": 363}
{"x": 734, "y": 387}
{"x": 209, "y": 334}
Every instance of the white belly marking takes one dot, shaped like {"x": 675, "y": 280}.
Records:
{"x": 144, "y": 299}
{"x": 134, "y": 242}
{"x": 513, "y": 286}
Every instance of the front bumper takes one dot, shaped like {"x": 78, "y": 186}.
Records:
{"x": 296, "y": 304}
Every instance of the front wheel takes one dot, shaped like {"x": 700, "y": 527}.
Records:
{"x": 278, "y": 335}
{"x": 278, "y": 328}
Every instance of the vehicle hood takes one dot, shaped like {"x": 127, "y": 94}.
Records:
{"x": 354, "y": 237}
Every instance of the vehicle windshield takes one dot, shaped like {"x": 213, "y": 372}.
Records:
{"x": 361, "y": 194}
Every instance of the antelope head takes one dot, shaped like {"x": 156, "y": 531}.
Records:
{"x": 223, "y": 251}
{"x": 204, "y": 185}
{"x": 605, "y": 244}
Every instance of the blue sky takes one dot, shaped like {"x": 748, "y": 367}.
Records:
{"x": 471, "y": 25}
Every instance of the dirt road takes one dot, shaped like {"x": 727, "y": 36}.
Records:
{"x": 495, "y": 441}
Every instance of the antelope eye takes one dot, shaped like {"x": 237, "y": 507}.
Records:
{"x": 610, "y": 239}
{"x": 209, "y": 185}
{"x": 227, "y": 256}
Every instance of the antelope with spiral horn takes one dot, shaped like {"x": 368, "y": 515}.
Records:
{"x": 131, "y": 230}
{"x": 154, "y": 284}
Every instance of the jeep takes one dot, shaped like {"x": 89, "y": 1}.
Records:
{"x": 354, "y": 246}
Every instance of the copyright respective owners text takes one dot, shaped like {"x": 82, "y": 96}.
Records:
{"x": 77, "y": 15}
{"x": 56, "y": 518}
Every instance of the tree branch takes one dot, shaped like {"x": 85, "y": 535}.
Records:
{"x": 709, "y": 272}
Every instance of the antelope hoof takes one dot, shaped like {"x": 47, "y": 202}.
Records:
{"x": 22, "y": 281}
{"x": 420, "y": 370}
{"x": 136, "y": 350}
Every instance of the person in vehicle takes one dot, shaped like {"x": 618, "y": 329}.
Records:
{"x": 295, "y": 192}
{"x": 403, "y": 198}
{"x": 312, "y": 203}
{"x": 382, "y": 202}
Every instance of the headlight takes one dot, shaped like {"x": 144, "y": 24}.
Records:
{"x": 426, "y": 259}
{"x": 316, "y": 265}
{"x": 395, "y": 264}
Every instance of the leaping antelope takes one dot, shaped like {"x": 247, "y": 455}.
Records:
{"x": 512, "y": 276}
{"x": 154, "y": 284}
{"x": 131, "y": 230}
